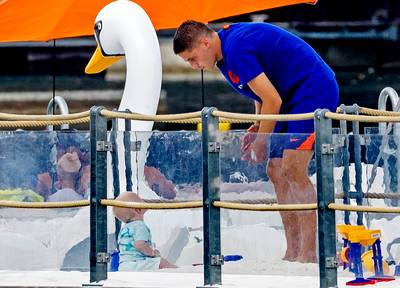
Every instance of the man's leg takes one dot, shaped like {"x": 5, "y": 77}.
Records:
{"x": 291, "y": 226}
{"x": 295, "y": 165}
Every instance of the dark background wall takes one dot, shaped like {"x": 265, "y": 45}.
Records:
{"x": 359, "y": 39}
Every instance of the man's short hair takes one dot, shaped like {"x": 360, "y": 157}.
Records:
{"x": 187, "y": 33}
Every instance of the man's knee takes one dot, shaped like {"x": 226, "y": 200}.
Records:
{"x": 295, "y": 164}
{"x": 274, "y": 170}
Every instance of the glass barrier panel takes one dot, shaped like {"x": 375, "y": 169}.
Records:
{"x": 268, "y": 172}
{"x": 42, "y": 166}
{"x": 167, "y": 167}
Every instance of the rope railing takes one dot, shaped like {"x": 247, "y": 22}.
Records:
{"x": 375, "y": 112}
{"x": 255, "y": 201}
{"x": 155, "y": 206}
{"x": 361, "y": 208}
{"x": 362, "y": 118}
{"x": 371, "y": 195}
{"x": 43, "y": 205}
{"x": 372, "y": 112}
{"x": 232, "y": 121}
{"x": 193, "y": 117}
{"x": 171, "y": 204}
{"x": 264, "y": 207}
{"x": 263, "y": 117}
{"x": 19, "y": 117}
{"x": 41, "y": 123}
{"x": 8, "y": 120}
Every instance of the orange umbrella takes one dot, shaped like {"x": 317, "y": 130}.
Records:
{"x": 42, "y": 20}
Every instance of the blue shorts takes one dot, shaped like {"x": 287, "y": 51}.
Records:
{"x": 290, "y": 141}
{"x": 299, "y": 135}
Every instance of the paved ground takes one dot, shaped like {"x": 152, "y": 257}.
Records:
{"x": 161, "y": 280}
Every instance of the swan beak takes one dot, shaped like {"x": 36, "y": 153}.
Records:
{"x": 98, "y": 62}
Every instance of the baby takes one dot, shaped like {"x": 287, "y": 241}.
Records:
{"x": 137, "y": 252}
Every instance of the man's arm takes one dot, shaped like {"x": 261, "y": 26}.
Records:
{"x": 271, "y": 100}
{"x": 258, "y": 110}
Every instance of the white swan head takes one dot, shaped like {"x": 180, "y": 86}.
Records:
{"x": 122, "y": 28}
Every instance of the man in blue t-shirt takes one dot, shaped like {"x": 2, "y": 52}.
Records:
{"x": 283, "y": 75}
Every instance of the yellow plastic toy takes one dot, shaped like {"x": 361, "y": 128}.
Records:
{"x": 346, "y": 229}
{"x": 368, "y": 263}
{"x": 223, "y": 126}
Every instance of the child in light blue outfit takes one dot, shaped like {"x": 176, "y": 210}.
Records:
{"x": 137, "y": 252}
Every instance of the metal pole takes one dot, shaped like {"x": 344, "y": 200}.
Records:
{"x": 114, "y": 157}
{"x": 128, "y": 159}
{"x": 98, "y": 190}
{"x": 202, "y": 89}
{"x": 357, "y": 164}
{"x": 57, "y": 101}
{"x": 390, "y": 93}
{"x": 346, "y": 163}
{"x": 324, "y": 151}
{"x": 115, "y": 170}
{"x": 213, "y": 259}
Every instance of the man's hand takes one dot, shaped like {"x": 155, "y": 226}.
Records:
{"x": 256, "y": 152}
{"x": 159, "y": 183}
{"x": 249, "y": 137}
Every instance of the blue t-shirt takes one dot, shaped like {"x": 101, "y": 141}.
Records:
{"x": 248, "y": 49}
{"x": 129, "y": 234}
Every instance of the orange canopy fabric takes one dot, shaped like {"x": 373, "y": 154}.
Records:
{"x": 42, "y": 20}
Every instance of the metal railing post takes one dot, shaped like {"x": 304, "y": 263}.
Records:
{"x": 213, "y": 259}
{"x": 62, "y": 105}
{"x": 357, "y": 163}
{"x": 99, "y": 147}
{"x": 115, "y": 170}
{"x": 128, "y": 153}
{"x": 324, "y": 151}
{"x": 346, "y": 165}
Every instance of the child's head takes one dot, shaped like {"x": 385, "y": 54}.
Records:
{"x": 68, "y": 165}
{"x": 68, "y": 169}
{"x": 128, "y": 214}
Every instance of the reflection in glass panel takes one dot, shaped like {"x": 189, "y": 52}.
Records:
{"x": 54, "y": 165}
{"x": 36, "y": 167}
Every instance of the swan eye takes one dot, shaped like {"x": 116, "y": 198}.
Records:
{"x": 98, "y": 26}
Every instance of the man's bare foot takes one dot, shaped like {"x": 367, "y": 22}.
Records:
{"x": 291, "y": 255}
{"x": 308, "y": 257}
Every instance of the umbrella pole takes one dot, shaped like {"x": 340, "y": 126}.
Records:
{"x": 202, "y": 88}
{"x": 54, "y": 75}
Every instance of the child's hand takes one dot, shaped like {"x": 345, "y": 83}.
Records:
{"x": 156, "y": 253}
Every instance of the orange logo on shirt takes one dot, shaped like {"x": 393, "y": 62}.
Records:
{"x": 235, "y": 79}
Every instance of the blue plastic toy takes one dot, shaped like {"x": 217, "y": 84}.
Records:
{"x": 355, "y": 238}
{"x": 114, "y": 261}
